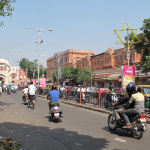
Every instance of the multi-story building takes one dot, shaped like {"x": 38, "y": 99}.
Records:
{"x": 67, "y": 58}
{"x": 107, "y": 66}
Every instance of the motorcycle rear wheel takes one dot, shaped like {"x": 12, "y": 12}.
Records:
{"x": 137, "y": 131}
{"x": 112, "y": 122}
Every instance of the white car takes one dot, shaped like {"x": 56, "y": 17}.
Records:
{"x": 14, "y": 87}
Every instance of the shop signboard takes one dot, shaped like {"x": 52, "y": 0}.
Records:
{"x": 43, "y": 82}
{"x": 128, "y": 75}
{"x": 33, "y": 80}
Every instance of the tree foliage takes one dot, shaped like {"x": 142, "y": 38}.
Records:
{"x": 31, "y": 68}
{"x": 144, "y": 45}
{"x": 6, "y": 8}
{"x": 75, "y": 75}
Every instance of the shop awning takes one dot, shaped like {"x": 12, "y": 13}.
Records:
{"x": 114, "y": 76}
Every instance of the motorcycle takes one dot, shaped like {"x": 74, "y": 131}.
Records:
{"x": 138, "y": 122}
{"x": 9, "y": 91}
{"x": 25, "y": 99}
{"x": 31, "y": 101}
{"x": 56, "y": 112}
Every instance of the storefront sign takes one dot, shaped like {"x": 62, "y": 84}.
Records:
{"x": 43, "y": 82}
{"x": 128, "y": 75}
{"x": 33, "y": 80}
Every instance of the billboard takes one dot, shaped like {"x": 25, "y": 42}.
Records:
{"x": 34, "y": 81}
{"x": 43, "y": 82}
{"x": 128, "y": 75}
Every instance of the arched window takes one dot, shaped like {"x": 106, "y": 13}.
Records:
{"x": 1, "y": 68}
{"x": 5, "y": 68}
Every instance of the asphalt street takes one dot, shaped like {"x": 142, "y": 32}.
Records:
{"x": 80, "y": 129}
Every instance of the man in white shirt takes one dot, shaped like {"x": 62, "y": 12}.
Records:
{"x": 31, "y": 90}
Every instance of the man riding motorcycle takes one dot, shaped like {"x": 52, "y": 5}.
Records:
{"x": 125, "y": 99}
{"x": 54, "y": 97}
{"x": 31, "y": 90}
{"x": 137, "y": 100}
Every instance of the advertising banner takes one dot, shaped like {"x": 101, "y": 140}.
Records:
{"x": 34, "y": 81}
{"x": 43, "y": 82}
{"x": 128, "y": 75}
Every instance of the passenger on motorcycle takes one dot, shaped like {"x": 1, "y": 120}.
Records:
{"x": 54, "y": 97}
{"x": 125, "y": 99}
{"x": 31, "y": 90}
{"x": 137, "y": 99}
{"x": 25, "y": 91}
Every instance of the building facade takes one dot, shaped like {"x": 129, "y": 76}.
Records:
{"x": 107, "y": 66}
{"x": 64, "y": 59}
{"x": 8, "y": 73}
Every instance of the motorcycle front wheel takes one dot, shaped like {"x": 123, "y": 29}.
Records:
{"x": 112, "y": 122}
{"x": 137, "y": 131}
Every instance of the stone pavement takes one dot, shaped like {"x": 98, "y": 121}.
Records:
{"x": 89, "y": 106}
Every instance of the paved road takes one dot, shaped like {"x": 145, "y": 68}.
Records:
{"x": 80, "y": 129}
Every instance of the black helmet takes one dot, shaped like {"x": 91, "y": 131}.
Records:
{"x": 53, "y": 87}
{"x": 135, "y": 89}
{"x": 129, "y": 86}
{"x": 110, "y": 87}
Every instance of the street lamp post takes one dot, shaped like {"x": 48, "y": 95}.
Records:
{"x": 39, "y": 31}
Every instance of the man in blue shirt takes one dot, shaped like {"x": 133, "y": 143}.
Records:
{"x": 54, "y": 96}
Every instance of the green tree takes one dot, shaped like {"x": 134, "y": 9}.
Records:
{"x": 84, "y": 75}
{"x": 144, "y": 45}
{"x": 69, "y": 73}
{"x": 31, "y": 68}
{"x": 6, "y": 8}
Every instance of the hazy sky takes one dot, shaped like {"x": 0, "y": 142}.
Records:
{"x": 76, "y": 24}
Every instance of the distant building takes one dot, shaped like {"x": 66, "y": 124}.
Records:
{"x": 107, "y": 66}
{"x": 67, "y": 58}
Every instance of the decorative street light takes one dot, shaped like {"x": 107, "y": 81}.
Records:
{"x": 39, "y": 41}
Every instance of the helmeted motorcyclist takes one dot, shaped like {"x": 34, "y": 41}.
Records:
{"x": 137, "y": 100}
{"x": 54, "y": 96}
{"x": 125, "y": 99}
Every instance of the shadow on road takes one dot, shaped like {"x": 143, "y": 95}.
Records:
{"x": 43, "y": 138}
{"x": 118, "y": 132}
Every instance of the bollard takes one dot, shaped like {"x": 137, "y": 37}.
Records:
{"x": 43, "y": 91}
{"x": 80, "y": 95}
{"x": 38, "y": 90}
{"x": 66, "y": 93}
{"x": 99, "y": 99}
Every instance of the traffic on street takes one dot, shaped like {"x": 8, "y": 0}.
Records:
{"x": 80, "y": 128}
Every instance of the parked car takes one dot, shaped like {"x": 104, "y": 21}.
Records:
{"x": 91, "y": 89}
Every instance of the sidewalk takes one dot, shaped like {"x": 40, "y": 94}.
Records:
{"x": 88, "y": 106}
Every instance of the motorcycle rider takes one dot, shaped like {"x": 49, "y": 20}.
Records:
{"x": 137, "y": 99}
{"x": 9, "y": 88}
{"x": 54, "y": 97}
{"x": 110, "y": 90}
{"x": 31, "y": 90}
{"x": 25, "y": 92}
{"x": 125, "y": 99}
